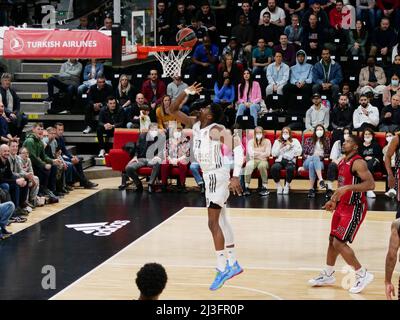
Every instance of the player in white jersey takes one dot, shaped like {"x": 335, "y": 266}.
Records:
{"x": 208, "y": 137}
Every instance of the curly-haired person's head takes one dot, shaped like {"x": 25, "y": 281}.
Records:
{"x": 151, "y": 280}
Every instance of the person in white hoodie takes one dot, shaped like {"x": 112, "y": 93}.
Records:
{"x": 285, "y": 150}
{"x": 317, "y": 114}
{"x": 366, "y": 115}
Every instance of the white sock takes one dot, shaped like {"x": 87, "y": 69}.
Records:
{"x": 329, "y": 270}
{"x": 278, "y": 184}
{"x": 287, "y": 184}
{"x": 330, "y": 185}
{"x": 361, "y": 272}
{"x": 231, "y": 256}
{"x": 221, "y": 260}
{"x": 265, "y": 185}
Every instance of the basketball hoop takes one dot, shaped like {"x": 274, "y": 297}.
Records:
{"x": 170, "y": 57}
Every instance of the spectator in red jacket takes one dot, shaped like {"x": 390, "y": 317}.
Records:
{"x": 336, "y": 15}
{"x": 154, "y": 89}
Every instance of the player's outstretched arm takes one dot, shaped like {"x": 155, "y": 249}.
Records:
{"x": 391, "y": 259}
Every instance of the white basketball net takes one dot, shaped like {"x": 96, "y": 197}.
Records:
{"x": 171, "y": 61}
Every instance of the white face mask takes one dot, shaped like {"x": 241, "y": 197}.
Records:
{"x": 285, "y": 136}
{"x": 177, "y": 135}
{"x": 45, "y": 140}
{"x": 346, "y": 136}
{"x": 259, "y": 136}
{"x": 367, "y": 140}
{"x": 319, "y": 133}
{"x": 389, "y": 139}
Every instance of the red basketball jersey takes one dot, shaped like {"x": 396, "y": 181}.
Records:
{"x": 347, "y": 177}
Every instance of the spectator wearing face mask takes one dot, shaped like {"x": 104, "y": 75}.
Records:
{"x": 392, "y": 89}
{"x": 391, "y": 192}
{"x": 285, "y": 150}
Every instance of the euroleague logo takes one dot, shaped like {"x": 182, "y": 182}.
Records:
{"x": 99, "y": 229}
{"x": 17, "y": 44}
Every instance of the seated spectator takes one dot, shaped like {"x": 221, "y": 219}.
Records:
{"x": 389, "y": 9}
{"x": 151, "y": 280}
{"x": 244, "y": 33}
{"x": 142, "y": 159}
{"x": 294, "y": 31}
{"x": 164, "y": 118}
{"x": 84, "y": 24}
{"x": 16, "y": 119}
{"x": 207, "y": 17}
{"x": 16, "y": 186}
{"x": 235, "y": 51}
{"x": 315, "y": 149}
{"x": 366, "y": 8}
{"x": 383, "y": 40}
{"x": 92, "y": 71}
{"x": 390, "y": 116}
{"x": 261, "y": 57}
{"x": 295, "y": 8}
{"x": 5, "y": 136}
{"x": 313, "y": 36}
{"x": 230, "y": 68}
{"x": 317, "y": 114}
{"x": 268, "y": 31}
{"x": 372, "y": 78}
{"x": 258, "y": 152}
{"x": 390, "y": 193}
{"x": 132, "y": 113}
{"x": 200, "y": 30}
{"x": 327, "y": 75}
{"x": 110, "y": 117}
{"x": 6, "y": 211}
{"x": 357, "y": 40}
{"x": 366, "y": 115}
{"x": 224, "y": 93}
{"x": 395, "y": 67}
{"x": 177, "y": 155}
{"x": 72, "y": 162}
{"x": 371, "y": 151}
{"x": 179, "y": 18}
{"x": 162, "y": 23}
{"x": 336, "y": 156}
{"x": 249, "y": 13}
{"x": 27, "y": 172}
{"x": 278, "y": 16}
{"x": 205, "y": 58}
{"x": 97, "y": 99}
{"x": 350, "y": 95}
{"x": 321, "y": 16}
{"x": 107, "y": 24}
{"x": 125, "y": 93}
{"x": 43, "y": 167}
{"x": 324, "y": 4}
{"x": 288, "y": 50}
{"x": 249, "y": 96}
{"x": 175, "y": 88}
{"x": 300, "y": 77}
{"x": 153, "y": 90}
{"x": 285, "y": 150}
{"x": 67, "y": 81}
{"x": 277, "y": 75}
{"x": 341, "y": 117}
{"x": 195, "y": 169}
{"x": 392, "y": 89}
{"x": 336, "y": 15}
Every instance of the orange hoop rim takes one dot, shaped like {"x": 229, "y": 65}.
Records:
{"x": 143, "y": 51}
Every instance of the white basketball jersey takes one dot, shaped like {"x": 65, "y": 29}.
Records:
{"x": 207, "y": 152}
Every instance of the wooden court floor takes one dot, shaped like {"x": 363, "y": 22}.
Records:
{"x": 280, "y": 250}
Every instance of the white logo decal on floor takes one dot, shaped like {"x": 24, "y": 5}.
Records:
{"x": 99, "y": 229}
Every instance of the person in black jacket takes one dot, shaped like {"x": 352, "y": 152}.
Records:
{"x": 390, "y": 116}
{"x": 341, "y": 117}
{"x": 149, "y": 152}
{"x": 97, "y": 98}
{"x": 111, "y": 117}
{"x": 12, "y": 106}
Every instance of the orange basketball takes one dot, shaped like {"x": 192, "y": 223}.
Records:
{"x": 186, "y": 37}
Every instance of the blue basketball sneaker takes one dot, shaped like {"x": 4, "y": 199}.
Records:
{"x": 220, "y": 279}
{"x": 235, "y": 270}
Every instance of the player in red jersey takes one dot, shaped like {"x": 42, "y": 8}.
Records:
{"x": 350, "y": 207}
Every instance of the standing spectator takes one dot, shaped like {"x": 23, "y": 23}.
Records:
{"x": 205, "y": 58}
{"x": 125, "y": 93}
{"x": 153, "y": 90}
{"x": 67, "y": 81}
{"x": 268, "y": 31}
{"x": 321, "y": 15}
{"x": 230, "y": 68}
{"x": 295, "y": 8}
{"x": 142, "y": 158}
{"x": 110, "y": 117}
{"x": 358, "y": 40}
{"x": 90, "y": 74}
{"x": 262, "y": 57}
{"x": 244, "y": 33}
{"x": 392, "y": 89}
{"x": 288, "y": 50}
{"x": 286, "y": 149}
{"x": 249, "y": 96}
{"x": 317, "y": 115}
{"x": 389, "y": 9}
{"x": 164, "y": 118}
{"x": 200, "y": 30}
{"x": 175, "y": 88}
{"x": 371, "y": 151}
{"x": 294, "y": 31}
{"x": 367, "y": 8}
{"x": 341, "y": 117}
{"x": 235, "y": 50}
{"x": 278, "y": 16}
{"x": 5, "y": 136}
{"x": 372, "y": 78}
{"x": 315, "y": 149}
{"x": 313, "y": 36}
{"x": 277, "y": 75}
{"x": 300, "y": 78}
{"x": 151, "y": 280}
{"x": 327, "y": 75}
{"x": 366, "y": 115}
{"x": 97, "y": 99}
{"x": 383, "y": 40}
{"x": 177, "y": 155}
{"x": 162, "y": 23}
{"x": 33, "y": 181}
{"x": 17, "y": 119}
{"x": 6, "y": 211}
{"x": 258, "y": 152}
{"x": 390, "y": 116}
{"x": 132, "y": 113}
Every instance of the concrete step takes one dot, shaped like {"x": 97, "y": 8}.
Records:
{"x": 32, "y": 76}
{"x": 79, "y": 137}
{"x": 53, "y": 67}
{"x": 36, "y": 116}
{"x": 32, "y": 95}
{"x": 30, "y": 86}
{"x": 72, "y": 149}
{"x": 33, "y": 107}
{"x": 100, "y": 172}
{"x": 87, "y": 161}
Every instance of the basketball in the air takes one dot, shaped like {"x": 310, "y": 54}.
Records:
{"x": 186, "y": 37}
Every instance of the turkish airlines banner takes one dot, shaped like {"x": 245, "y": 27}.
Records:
{"x": 47, "y": 43}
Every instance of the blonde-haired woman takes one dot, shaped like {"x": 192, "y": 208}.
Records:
{"x": 124, "y": 94}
